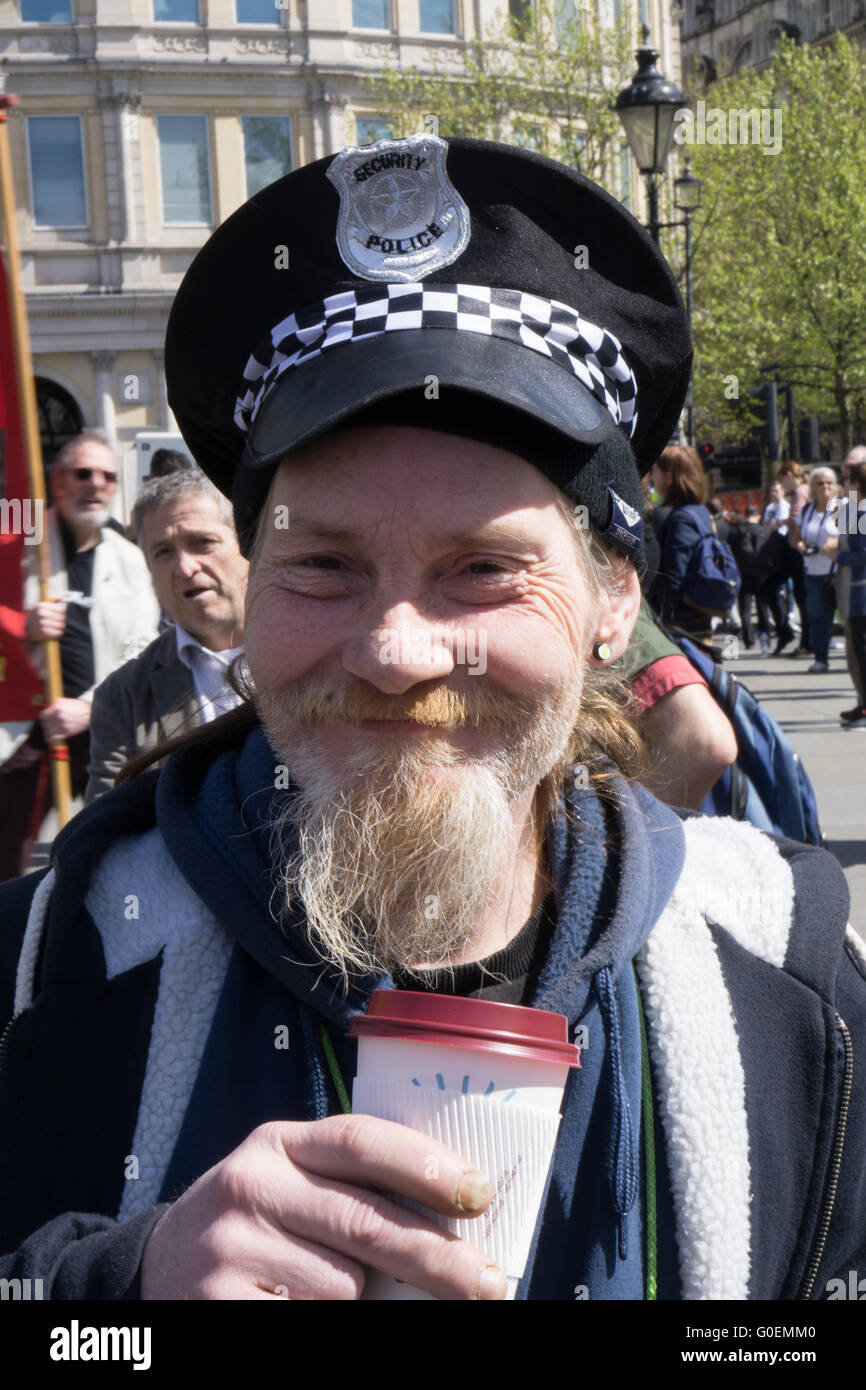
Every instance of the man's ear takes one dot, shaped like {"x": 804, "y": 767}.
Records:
{"x": 619, "y": 613}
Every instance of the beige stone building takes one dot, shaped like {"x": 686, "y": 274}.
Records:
{"x": 729, "y": 34}
{"x": 144, "y": 123}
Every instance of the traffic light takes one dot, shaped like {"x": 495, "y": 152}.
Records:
{"x": 765, "y": 406}
{"x": 810, "y": 443}
{"x": 705, "y": 453}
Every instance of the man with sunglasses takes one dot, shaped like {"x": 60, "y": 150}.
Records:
{"x": 103, "y": 611}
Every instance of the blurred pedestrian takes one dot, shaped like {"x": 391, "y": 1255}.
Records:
{"x": 855, "y": 456}
{"x": 795, "y": 485}
{"x": 102, "y": 609}
{"x": 775, "y": 583}
{"x": 778, "y": 509}
{"x": 166, "y": 461}
{"x": 681, "y": 483}
{"x": 815, "y": 535}
{"x": 723, "y": 525}
{"x": 851, "y": 588}
{"x": 187, "y": 535}
{"x": 757, "y": 551}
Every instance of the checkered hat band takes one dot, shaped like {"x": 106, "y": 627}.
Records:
{"x": 555, "y": 330}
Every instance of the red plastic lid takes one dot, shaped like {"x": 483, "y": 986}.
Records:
{"x": 476, "y": 1023}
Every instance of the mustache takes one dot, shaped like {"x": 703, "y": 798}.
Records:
{"x": 322, "y": 702}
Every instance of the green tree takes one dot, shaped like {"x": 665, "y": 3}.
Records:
{"x": 541, "y": 79}
{"x": 779, "y": 248}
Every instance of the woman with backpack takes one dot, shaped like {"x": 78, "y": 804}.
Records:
{"x": 816, "y": 536}
{"x": 698, "y": 578}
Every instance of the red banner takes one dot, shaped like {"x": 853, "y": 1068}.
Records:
{"x": 741, "y": 501}
{"x": 20, "y": 528}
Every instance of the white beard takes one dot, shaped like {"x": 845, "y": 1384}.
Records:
{"x": 396, "y": 856}
{"x": 85, "y": 517}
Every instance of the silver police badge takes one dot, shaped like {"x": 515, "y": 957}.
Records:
{"x": 400, "y": 215}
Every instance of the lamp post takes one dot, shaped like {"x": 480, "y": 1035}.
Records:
{"x": 687, "y": 199}
{"x": 646, "y": 108}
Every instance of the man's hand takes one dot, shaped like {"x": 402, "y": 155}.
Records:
{"x": 65, "y": 718}
{"x": 298, "y": 1210}
{"x": 46, "y": 621}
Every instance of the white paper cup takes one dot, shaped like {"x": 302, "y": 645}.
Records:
{"x": 487, "y": 1080}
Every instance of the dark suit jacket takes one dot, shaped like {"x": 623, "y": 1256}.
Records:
{"x": 149, "y": 699}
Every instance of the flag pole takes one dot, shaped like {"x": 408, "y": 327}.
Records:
{"x": 58, "y": 750}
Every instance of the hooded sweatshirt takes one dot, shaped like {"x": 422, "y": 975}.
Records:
{"x": 614, "y": 861}
{"x": 611, "y": 876}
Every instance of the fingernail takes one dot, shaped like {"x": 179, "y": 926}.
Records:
{"x": 492, "y": 1284}
{"x": 473, "y": 1190}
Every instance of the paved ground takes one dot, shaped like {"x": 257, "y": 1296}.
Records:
{"x": 808, "y": 709}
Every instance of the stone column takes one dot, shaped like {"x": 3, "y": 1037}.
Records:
{"x": 320, "y": 119}
{"x": 103, "y": 363}
{"x": 120, "y": 120}
{"x": 335, "y": 104}
{"x": 167, "y": 421}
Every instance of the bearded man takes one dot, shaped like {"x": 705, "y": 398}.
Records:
{"x": 429, "y": 426}
{"x": 101, "y": 609}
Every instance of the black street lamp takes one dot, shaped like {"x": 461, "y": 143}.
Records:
{"x": 687, "y": 199}
{"x": 646, "y": 108}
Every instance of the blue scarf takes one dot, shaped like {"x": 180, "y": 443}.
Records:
{"x": 614, "y": 862}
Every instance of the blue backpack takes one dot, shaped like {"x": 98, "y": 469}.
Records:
{"x": 767, "y": 785}
{"x": 712, "y": 580}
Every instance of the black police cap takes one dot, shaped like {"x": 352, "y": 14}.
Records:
{"x": 549, "y": 319}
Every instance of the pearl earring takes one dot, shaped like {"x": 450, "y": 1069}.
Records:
{"x": 602, "y": 651}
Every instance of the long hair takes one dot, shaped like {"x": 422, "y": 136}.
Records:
{"x": 687, "y": 481}
{"x": 793, "y": 468}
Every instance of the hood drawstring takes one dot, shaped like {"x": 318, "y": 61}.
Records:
{"x": 623, "y": 1160}
{"x": 316, "y": 1071}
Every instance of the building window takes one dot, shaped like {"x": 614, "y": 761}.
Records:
{"x": 520, "y": 10}
{"x": 527, "y": 137}
{"x": 46, "y": 12}
{"x": 369, "y": 129}
{"x": 59, "y": 418}
{"x": 267, "y": 150}
{"x": 257, "y": 12}
{"x": 573, "y": 150}
{"x": 176, "y": 11}
{"x": 183, "y": 157}
{"x": 623, "y": 10}
{"x": 438, "y": 17}
{"x": 565, "y": 14}
{"x": 371, "y": 14}
{"x": 57, "y": 171}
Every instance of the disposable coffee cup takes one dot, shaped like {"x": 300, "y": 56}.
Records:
{"x": 487, "y": 1080}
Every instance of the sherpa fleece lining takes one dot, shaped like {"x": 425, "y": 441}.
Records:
{"x": 690, "y": 1022}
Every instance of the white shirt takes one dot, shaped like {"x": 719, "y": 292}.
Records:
{"x": 778, "y": 511}
{"x": 815, "y": 529}
{"x": 209, "y": 670}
